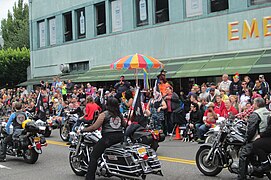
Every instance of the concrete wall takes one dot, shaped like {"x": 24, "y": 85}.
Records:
{"x": 180, "y": 37}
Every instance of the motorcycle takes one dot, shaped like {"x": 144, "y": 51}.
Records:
{"x": 66, "y": 127}
{"x": 148, "y": 135}
{"x": 224, "y": 151}
{"x": 50, "y": 125}
{"x": 28, "y": 142}
{"x": 133, "y": 161}
{"x": 212, "y": 133}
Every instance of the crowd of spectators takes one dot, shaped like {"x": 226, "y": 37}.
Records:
{"x": 207, "y": 102}
{"x": 203, "y": 104}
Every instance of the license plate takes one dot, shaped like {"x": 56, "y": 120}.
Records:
{"x": 37, "y": 139}
{"x": 141, "y": 151}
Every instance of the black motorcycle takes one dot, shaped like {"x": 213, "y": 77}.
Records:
{"x": 224, "y": 151}
{"x": 28, "y": 143}
{"x": 50, "y": 125}
{"x": 132, "y": 161}
{"x": 66, "y": 127}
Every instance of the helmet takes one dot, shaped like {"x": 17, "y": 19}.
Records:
{"x": 25, "y": 122}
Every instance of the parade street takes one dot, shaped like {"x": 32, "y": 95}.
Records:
{"x": 177, "y": 160}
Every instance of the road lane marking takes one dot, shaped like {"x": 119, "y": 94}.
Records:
{"x": 57, "y": 143}
{"x": 4, "y": 167}
{"x": 162, "y": 158}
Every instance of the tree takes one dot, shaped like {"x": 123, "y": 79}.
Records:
{"x": 13, "y": 66}
{"x": 15, "y": 29}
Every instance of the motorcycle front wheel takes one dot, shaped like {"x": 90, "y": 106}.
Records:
{"x": 64, "y": 133}
{"x": 210, "y": 139}
{"x": 30, "y": 156}
{"x": 205, "y": 166}
{"x": 75, "y": 163}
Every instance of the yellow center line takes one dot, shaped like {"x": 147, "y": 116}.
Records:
{"x": 162, "y": 158}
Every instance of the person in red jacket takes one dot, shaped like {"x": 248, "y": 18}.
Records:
{"x": 219, "y": 104}
{"x": 91, "y": 107}
{"x": 228, "y": 110}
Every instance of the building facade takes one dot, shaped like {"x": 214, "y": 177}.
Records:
{"x": 193, "y": 38}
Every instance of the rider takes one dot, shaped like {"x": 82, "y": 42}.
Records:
{"x": 261, "y": 147}
{"x": 112, "y": 124}
{"x": 16, "y": 119}
{"x": 257, "y": 124}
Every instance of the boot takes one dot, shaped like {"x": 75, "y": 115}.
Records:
{"x": 265, "y": 166}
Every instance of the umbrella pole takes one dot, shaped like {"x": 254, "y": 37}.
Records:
{"x": 136, "y": 73}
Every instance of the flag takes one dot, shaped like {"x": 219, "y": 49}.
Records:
{"x": 138, "y": 115}
{"x": 39, "y": 104}
{"x": 146, "y": 79}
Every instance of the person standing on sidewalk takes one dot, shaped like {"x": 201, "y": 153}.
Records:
{"x": 173, "y": 103}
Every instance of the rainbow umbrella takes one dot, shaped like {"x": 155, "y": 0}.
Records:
{"x": 136, "y": 61}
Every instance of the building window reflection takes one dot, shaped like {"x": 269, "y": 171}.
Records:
{"x": 67, "y": 26}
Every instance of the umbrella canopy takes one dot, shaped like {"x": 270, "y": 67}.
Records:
{"x": 136, "y": 61}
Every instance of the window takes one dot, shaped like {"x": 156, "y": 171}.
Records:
{"x": 100, "y": 19}
{"x": 81, "y": 23}
{"x": 41, "y": 27}
{"x": 141, "y": 12}
{"x": 68, "y": 26}
{"x": 219, "y": 5}
{"x": 256, "y": 2}
{"x": 193, "y": 8}
{"x": 116, "y": 15}
{"x": 52, "y": 31}
{"x": 79, "y": 67}
{"x": 161, "y": 11}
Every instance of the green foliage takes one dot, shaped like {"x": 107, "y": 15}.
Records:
{"x": 15, "y": 28}
{"x": 13, "y": 66}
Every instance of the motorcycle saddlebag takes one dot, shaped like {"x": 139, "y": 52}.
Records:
{"x": 121, "y": 160}
{"x": 24, "y": 141}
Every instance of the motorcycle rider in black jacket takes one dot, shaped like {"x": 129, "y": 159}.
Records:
{"x": 112, "y": 124}
{"x": 261, "y": 147}
{"x": 257, "y": 124}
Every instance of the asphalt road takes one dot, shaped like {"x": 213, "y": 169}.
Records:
{"x": 177, "y": 160}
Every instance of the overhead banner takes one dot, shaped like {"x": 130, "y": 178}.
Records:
{"x": 193, "y": 8}
{"x": 52, "y": 31}
{"x": 116, "y": 9}
{"x": 42, "y": 33}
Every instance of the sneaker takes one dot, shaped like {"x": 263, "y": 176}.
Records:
{"x": 3, "y": 160}
{"x": 170, "y": 134}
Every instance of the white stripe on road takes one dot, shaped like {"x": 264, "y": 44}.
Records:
{"x": 4, "y": 167}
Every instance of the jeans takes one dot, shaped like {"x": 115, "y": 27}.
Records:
{"x": 245, "y": 152}
{"x": 197, "y": 125}
{"x": 169, "y": 122}
{"x": 3, "y": 146}
{"x": 107, "y": 140}
{"x": 202, "y": 130}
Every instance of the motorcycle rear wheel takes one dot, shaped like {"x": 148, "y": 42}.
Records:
{"x": 155, "y": 145}
{"x": 47, "y": 132}
{"x": 76, "y": 168}
{"x": 30, "y": 156}
{"x": 207, "y": 168}
{"x": 64, "y": 133}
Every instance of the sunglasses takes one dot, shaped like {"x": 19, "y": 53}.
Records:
{"x": 244, "y": 84}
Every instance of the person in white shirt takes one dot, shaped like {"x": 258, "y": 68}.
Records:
{"x": 225, "y": 83}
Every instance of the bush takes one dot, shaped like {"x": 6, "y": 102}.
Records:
{"x": 13, "y": 66}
